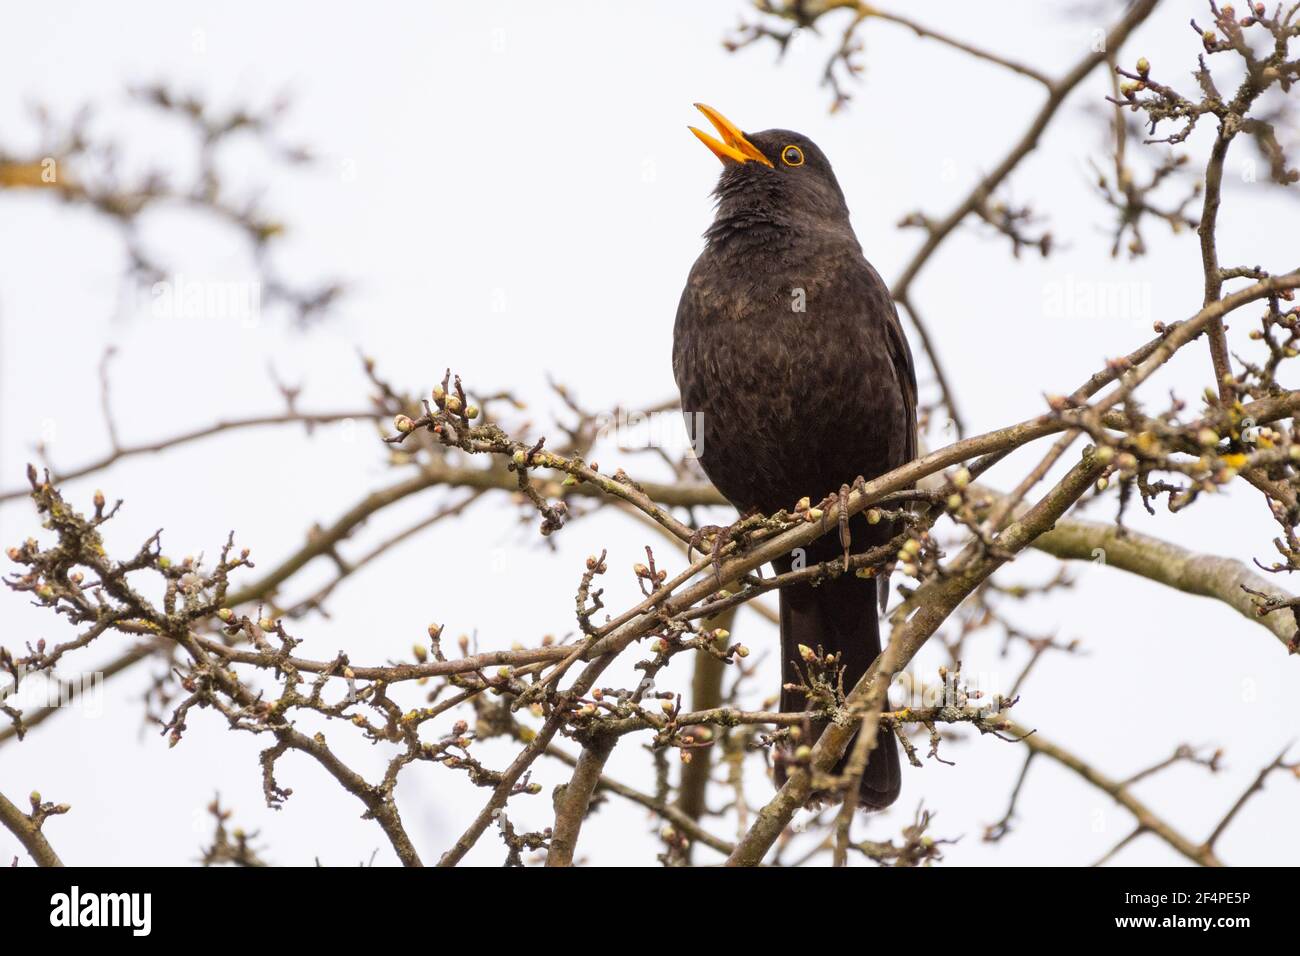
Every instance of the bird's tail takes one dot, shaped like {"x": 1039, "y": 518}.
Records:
{"x": 840, "y": 616}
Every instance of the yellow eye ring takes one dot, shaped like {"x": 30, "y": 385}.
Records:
{"x": 792, "y": 155}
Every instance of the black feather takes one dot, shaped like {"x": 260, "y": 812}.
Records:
{"x": 787, "y": 344}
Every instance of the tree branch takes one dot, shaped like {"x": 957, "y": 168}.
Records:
{"x": 27, "y": 828}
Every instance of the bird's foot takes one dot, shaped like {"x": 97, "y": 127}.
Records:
{"x": 840, "y": 501}
{"x": 846, "y": 539}
{"x": 720, "y": 535}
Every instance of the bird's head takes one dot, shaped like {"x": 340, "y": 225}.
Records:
{"x": 778, "y": 175}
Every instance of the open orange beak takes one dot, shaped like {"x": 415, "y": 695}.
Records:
{"x": 733, "y": 146}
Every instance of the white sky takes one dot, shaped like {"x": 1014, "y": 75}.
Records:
{"x": 501, "y": 150}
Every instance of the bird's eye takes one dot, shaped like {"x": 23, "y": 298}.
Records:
{"x": 792, "y": 156}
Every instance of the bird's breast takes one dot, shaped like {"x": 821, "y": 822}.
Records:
{"x": 787, "y": 379}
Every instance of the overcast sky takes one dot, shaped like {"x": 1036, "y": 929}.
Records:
{"x": 510, "y": 190}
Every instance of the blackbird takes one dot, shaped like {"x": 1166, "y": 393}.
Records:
{"x": 789, "y": 355}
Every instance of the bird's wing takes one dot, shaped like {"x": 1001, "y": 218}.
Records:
{"x": 900, "y": 354}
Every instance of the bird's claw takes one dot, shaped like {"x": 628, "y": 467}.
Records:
{"x": 846, "y": 539}
{"x": 721, "y": 535}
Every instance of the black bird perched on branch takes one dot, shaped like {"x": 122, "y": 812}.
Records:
{"x": 788, "y": 352}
